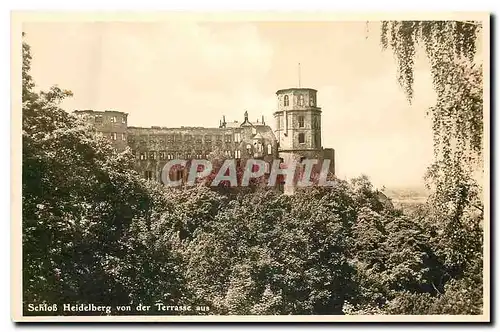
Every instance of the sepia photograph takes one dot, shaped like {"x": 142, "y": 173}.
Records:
{"x": 250, "y": 167}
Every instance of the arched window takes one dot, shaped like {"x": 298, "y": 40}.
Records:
{"x": 301, "y": 100}
{"x": 269, "y": 149}
{"x": 286, "y": 101}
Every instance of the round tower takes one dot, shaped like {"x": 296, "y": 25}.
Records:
{"x": 298, "y": 123}
{"x": 298, "y": 126}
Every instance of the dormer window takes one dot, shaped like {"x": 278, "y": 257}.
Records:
{"x": 286, "y": 101}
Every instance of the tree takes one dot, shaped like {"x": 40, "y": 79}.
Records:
{"x": 450, "y": 47}
{"x": 455, "y": 205}
{"x": 86, "y": 214}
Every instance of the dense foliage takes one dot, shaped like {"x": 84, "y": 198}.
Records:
{"x": 457, "y": 116}
{"x": 95, "y": 232}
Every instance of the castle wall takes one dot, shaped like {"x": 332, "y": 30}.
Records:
{"x": 153, "y": 147}
{"x": 109, "y": 124}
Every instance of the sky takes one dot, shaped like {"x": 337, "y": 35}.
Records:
{"x": 188, "y": 73}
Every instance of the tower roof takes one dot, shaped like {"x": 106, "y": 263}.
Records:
{"x": 295, "y": 89}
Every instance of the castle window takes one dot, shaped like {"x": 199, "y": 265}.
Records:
{"x": 123, "y": 119}
{"x": 227, "y": 138}
{"x": 162, "y": 155}
{"x": 113, "y": 136}
{"x": 187, "y": 138}
{"x": 301, "y": 100}
{"x": 237, "y": 137}
{"x": 208, "y": 139}
{"x": 113, "y": 119}
{"x": 269, "y": 149}
{"x": 148, "y": 175}
{"x": 302, "y": 138}
{"x": 237, "y": 154}
{"x": 286, "y": 101}
{"x": 198, "y": 138}
{"x": 123, "y": 137}
{"x": 170, "y": 138}
{"x": 98, "y": 118}
{"x": 301, "y": 121}
{"x": 142, "y": 156}
{"x": 311, "y": 101}
{"x": 218, "y": 138}
{"x": 152, "y": 155}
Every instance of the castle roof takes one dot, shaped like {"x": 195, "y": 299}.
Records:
{"x": 295, "y": 89}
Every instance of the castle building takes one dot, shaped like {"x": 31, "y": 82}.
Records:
{"x": 297, "y": 135}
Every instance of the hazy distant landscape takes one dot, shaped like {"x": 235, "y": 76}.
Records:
{"x": 406, "y": 197}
